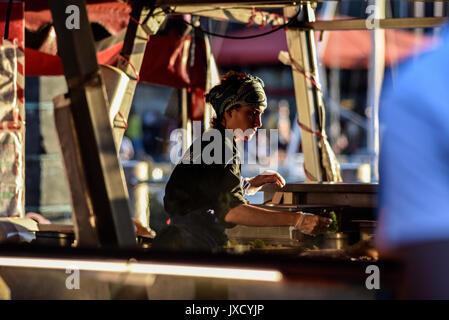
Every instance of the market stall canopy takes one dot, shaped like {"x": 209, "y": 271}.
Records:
{"x": 163, "y": 63}
{"x": 112, "y": 15}
{"x": 345, "y": 49}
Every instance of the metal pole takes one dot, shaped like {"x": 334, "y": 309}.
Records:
{"x": 419, "y": 7}
{"x": 438, "y": 11}
{"x": 375, "y": 79}
{"x": 301, "y": 46}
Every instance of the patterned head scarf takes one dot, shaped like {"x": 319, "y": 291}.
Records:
{"x": 235, "y": 89}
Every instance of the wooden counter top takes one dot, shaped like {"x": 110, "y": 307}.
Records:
{"x": 357, "y": 195}
{"x": 325, "y": 187}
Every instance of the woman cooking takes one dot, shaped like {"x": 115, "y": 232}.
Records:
{"x": 204, "y": 197}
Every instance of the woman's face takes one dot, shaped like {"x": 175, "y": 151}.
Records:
{"x": 248, "y": 119}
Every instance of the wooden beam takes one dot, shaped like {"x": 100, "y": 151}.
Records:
{"x": 252, "y": 3}
{"x": 86, "y": 233}
{"x": 89, "y": 108}
{"x": 243, "y": 14}
{"x": 227, "y": 3}
{"x": 238, "y": 15}
{"x": 391, "y": 23}
{"x": 212, "y": 79}
{"x": 132, "y": 54}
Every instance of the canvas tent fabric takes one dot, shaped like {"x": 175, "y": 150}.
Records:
{"x": 344, "y": 49}
{"x": 12, "y": 112}
{"x": 163, "y": 63}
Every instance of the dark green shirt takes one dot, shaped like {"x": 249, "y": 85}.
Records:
{"x": 206, "y": 186}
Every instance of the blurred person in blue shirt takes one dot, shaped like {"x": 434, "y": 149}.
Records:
{"x": 413, "y": 221}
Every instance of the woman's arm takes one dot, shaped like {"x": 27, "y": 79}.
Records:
{"x": 249, "y": 215}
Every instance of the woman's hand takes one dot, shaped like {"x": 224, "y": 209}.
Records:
{"x": 259, "y": 181}
{"x": 311, "y": 224}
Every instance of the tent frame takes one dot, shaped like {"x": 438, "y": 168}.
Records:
{"x": 98, "y": 142}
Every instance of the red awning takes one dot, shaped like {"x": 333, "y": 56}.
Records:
{"x": 262, "y": 50}
{"x": 15, "y": 25}
{"x": 112, "y": 15}
{"x": 352, "y": 49}
{"x": 162, "y": 62}
{"x": 39, "y": 63}
{"x": 345, "y": 49}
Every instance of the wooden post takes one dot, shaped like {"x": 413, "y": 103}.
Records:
{"x": 302, "y": 52}
{"x": 212, "y": 79}
{"x": 86, "y": 232}
{"x": 89, "y": 108}
{"x": 186, "y": 120}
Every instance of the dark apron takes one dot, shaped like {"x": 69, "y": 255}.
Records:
{"x": 198, "y": 230}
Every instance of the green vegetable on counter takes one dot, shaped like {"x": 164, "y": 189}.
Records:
{"x": 258, "y": 244}
{"x": 333, "y": 227}
{"x": 231, "y": 243}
